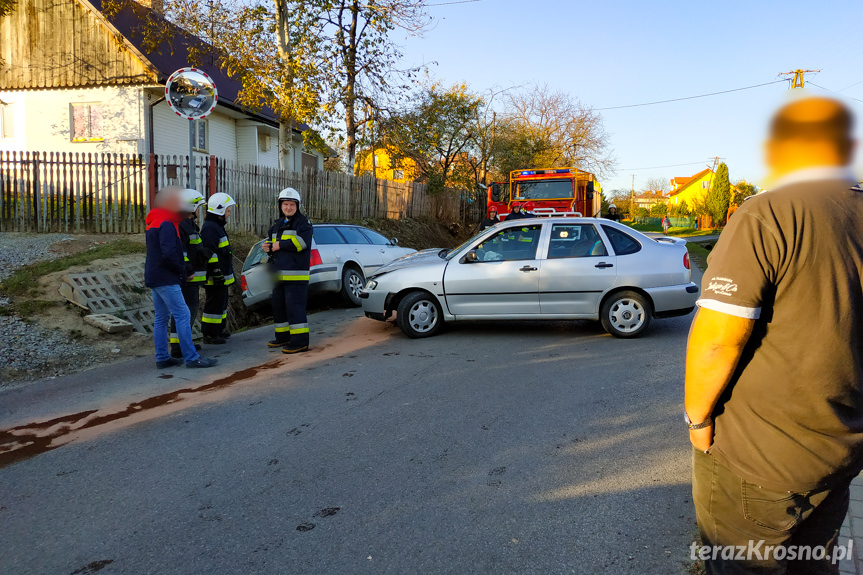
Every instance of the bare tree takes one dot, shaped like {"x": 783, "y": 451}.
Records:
{"x": 557, "y": 130}
{"x": 656, "y": 185}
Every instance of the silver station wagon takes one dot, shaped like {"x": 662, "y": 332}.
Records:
{"x": 342, "y": 257}
{"x": 538, "y": 269}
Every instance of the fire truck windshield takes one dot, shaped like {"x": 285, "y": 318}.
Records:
{"x": 543, "y": 190}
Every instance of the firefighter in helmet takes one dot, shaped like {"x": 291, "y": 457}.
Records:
{"x": 220, "y": 269}
{"x": 289, "y": 244}
{"x": 195, "y": 256}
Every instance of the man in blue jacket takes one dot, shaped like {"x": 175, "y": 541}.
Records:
{"x": 164, "y": 274}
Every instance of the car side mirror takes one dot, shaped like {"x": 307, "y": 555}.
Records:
{"x": 470, "y": 258}
{"x": 394, "y": 242}
{"x": 495, "y": 192}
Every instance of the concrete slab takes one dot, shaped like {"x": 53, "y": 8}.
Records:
{"x": 108, "y": 323}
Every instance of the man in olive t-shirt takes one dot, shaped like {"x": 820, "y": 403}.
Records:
{"x": 774, "y": 382}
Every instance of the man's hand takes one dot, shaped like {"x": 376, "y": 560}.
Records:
{"x": 701, "y": 439}
{"x": 267, "y": 246}
{"x": 274, "y": 247}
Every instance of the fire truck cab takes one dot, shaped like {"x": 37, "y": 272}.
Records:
{"x": 547, "y": 192}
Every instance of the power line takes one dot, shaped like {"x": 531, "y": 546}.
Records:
{"x": 688, "y": 97}
{"x": 834, "y": 91}
{"x": 451, "y": 3}
{"x": 659, "y": 167}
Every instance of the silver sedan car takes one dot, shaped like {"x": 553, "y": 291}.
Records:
{"x": 553, "y": 269}
{"x": 342, "y": 257}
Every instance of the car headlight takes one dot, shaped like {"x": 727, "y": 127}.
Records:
{"x": 371, "y": 285}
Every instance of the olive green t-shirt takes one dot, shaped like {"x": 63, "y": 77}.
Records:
{"x": 792, "y": 416}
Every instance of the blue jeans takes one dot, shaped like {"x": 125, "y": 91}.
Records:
{"x": 168, "y": 302}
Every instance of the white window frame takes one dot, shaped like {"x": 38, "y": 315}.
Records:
{"x": 7, "y": 121}
{"x": 196, "y": 146}
{"x": 89, "y": 137}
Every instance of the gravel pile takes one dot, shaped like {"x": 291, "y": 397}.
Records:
{"x": 27, "y": 350}
{"x": 18, "y": 250}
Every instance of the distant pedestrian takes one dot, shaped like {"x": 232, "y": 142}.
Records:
{"x": 774, "y": 368}
{"x": 164, "y": 273}
{"x": 220, "y": 269}
{"x": 289, "y": 243}
{"x": 490, "y": 220}
{"x": 612, "y": 214}
{"x": 666, "y": 223}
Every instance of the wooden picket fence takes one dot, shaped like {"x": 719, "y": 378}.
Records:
{"x": 110, "y": 193}
{"x": 65, "y": 192}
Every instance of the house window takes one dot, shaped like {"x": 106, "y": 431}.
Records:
{"x": 7, "y": 122}
{"x": 201, "y": 130}
{"x": 309, "y": 161}
{"x": 87, "y": 122}
{"x": 705, "y": 185}
{"x": 398, "y": 174}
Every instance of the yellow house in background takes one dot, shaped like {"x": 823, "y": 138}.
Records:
{"x": 688, "y": 189}
{"x": 386, "y": 167}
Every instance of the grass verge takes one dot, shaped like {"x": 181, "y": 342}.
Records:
{"x": 25, "y": 280}
{"x": 698, "y": 254}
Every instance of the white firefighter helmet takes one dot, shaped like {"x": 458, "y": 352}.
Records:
{"x": 191, "y": 199}
{"x": 289, "y": 194}
{"x": 612, "y": 207}
{"x": 219, "y": 203}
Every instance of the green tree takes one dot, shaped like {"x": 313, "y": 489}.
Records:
{"x": 741, "y": 191}
{"x": 718, "y": 198}
{"x": 679, "y": 210}
{"x": 436, "y": 130}
{"x": 362, "y": 62}
{"x": 658, "y": 209}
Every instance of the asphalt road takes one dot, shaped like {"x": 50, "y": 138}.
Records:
{"x": 518, "y": 448}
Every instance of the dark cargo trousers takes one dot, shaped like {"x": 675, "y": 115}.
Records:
{"x": 289, "y": 313}
{"x": 214, "y": 320}
{"x": 733, "y": 512}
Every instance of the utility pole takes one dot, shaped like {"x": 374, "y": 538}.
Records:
{"x": 632, "y": 198}
{"x": 797, "y": 76}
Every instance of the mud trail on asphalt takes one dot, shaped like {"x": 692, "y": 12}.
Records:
{"x": 31, "y": 439}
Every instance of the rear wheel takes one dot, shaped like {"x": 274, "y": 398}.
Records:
{"x": 353, "y": 283}
{"x": 419, "y": 315}
{"x": 626, "y": 314}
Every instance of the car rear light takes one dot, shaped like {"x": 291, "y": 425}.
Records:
{"x": 316, "y": 258}
{"x": 243, "y": 283}
{"x": 686, "y": 260}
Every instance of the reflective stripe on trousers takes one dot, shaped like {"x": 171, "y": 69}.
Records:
{"x": 300, "y": 328}
{"x": 283, "y": 328}
{"x": 212, "y": 318}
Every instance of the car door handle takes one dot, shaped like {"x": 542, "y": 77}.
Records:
{"x": 604, "y": 265}
{"x": 527, "y": 269}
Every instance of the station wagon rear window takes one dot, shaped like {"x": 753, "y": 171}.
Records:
{"x": 327, "y": 236}
{"x": 353, "y": 235}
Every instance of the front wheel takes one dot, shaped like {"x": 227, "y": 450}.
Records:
{"x": 626, "y": 314}
{"x": 353, "y": 283}
{"x": 419, "y": 315}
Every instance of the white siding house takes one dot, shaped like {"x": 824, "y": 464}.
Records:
{"x": 110, "y": 95}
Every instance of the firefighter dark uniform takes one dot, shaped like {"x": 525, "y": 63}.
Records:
{"x": 220, "y": 270}
{"x": 290, "y": 267}
{"x": 196, "y": 257}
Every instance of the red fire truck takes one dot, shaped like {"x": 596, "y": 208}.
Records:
{"x": 547, "y": 192}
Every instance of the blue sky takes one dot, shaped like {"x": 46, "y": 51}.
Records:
{"x": 612, "y": 53}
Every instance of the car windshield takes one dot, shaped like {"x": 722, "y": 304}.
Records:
{"x": 449, "y": 254}
{"x": 543, "y": 190}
